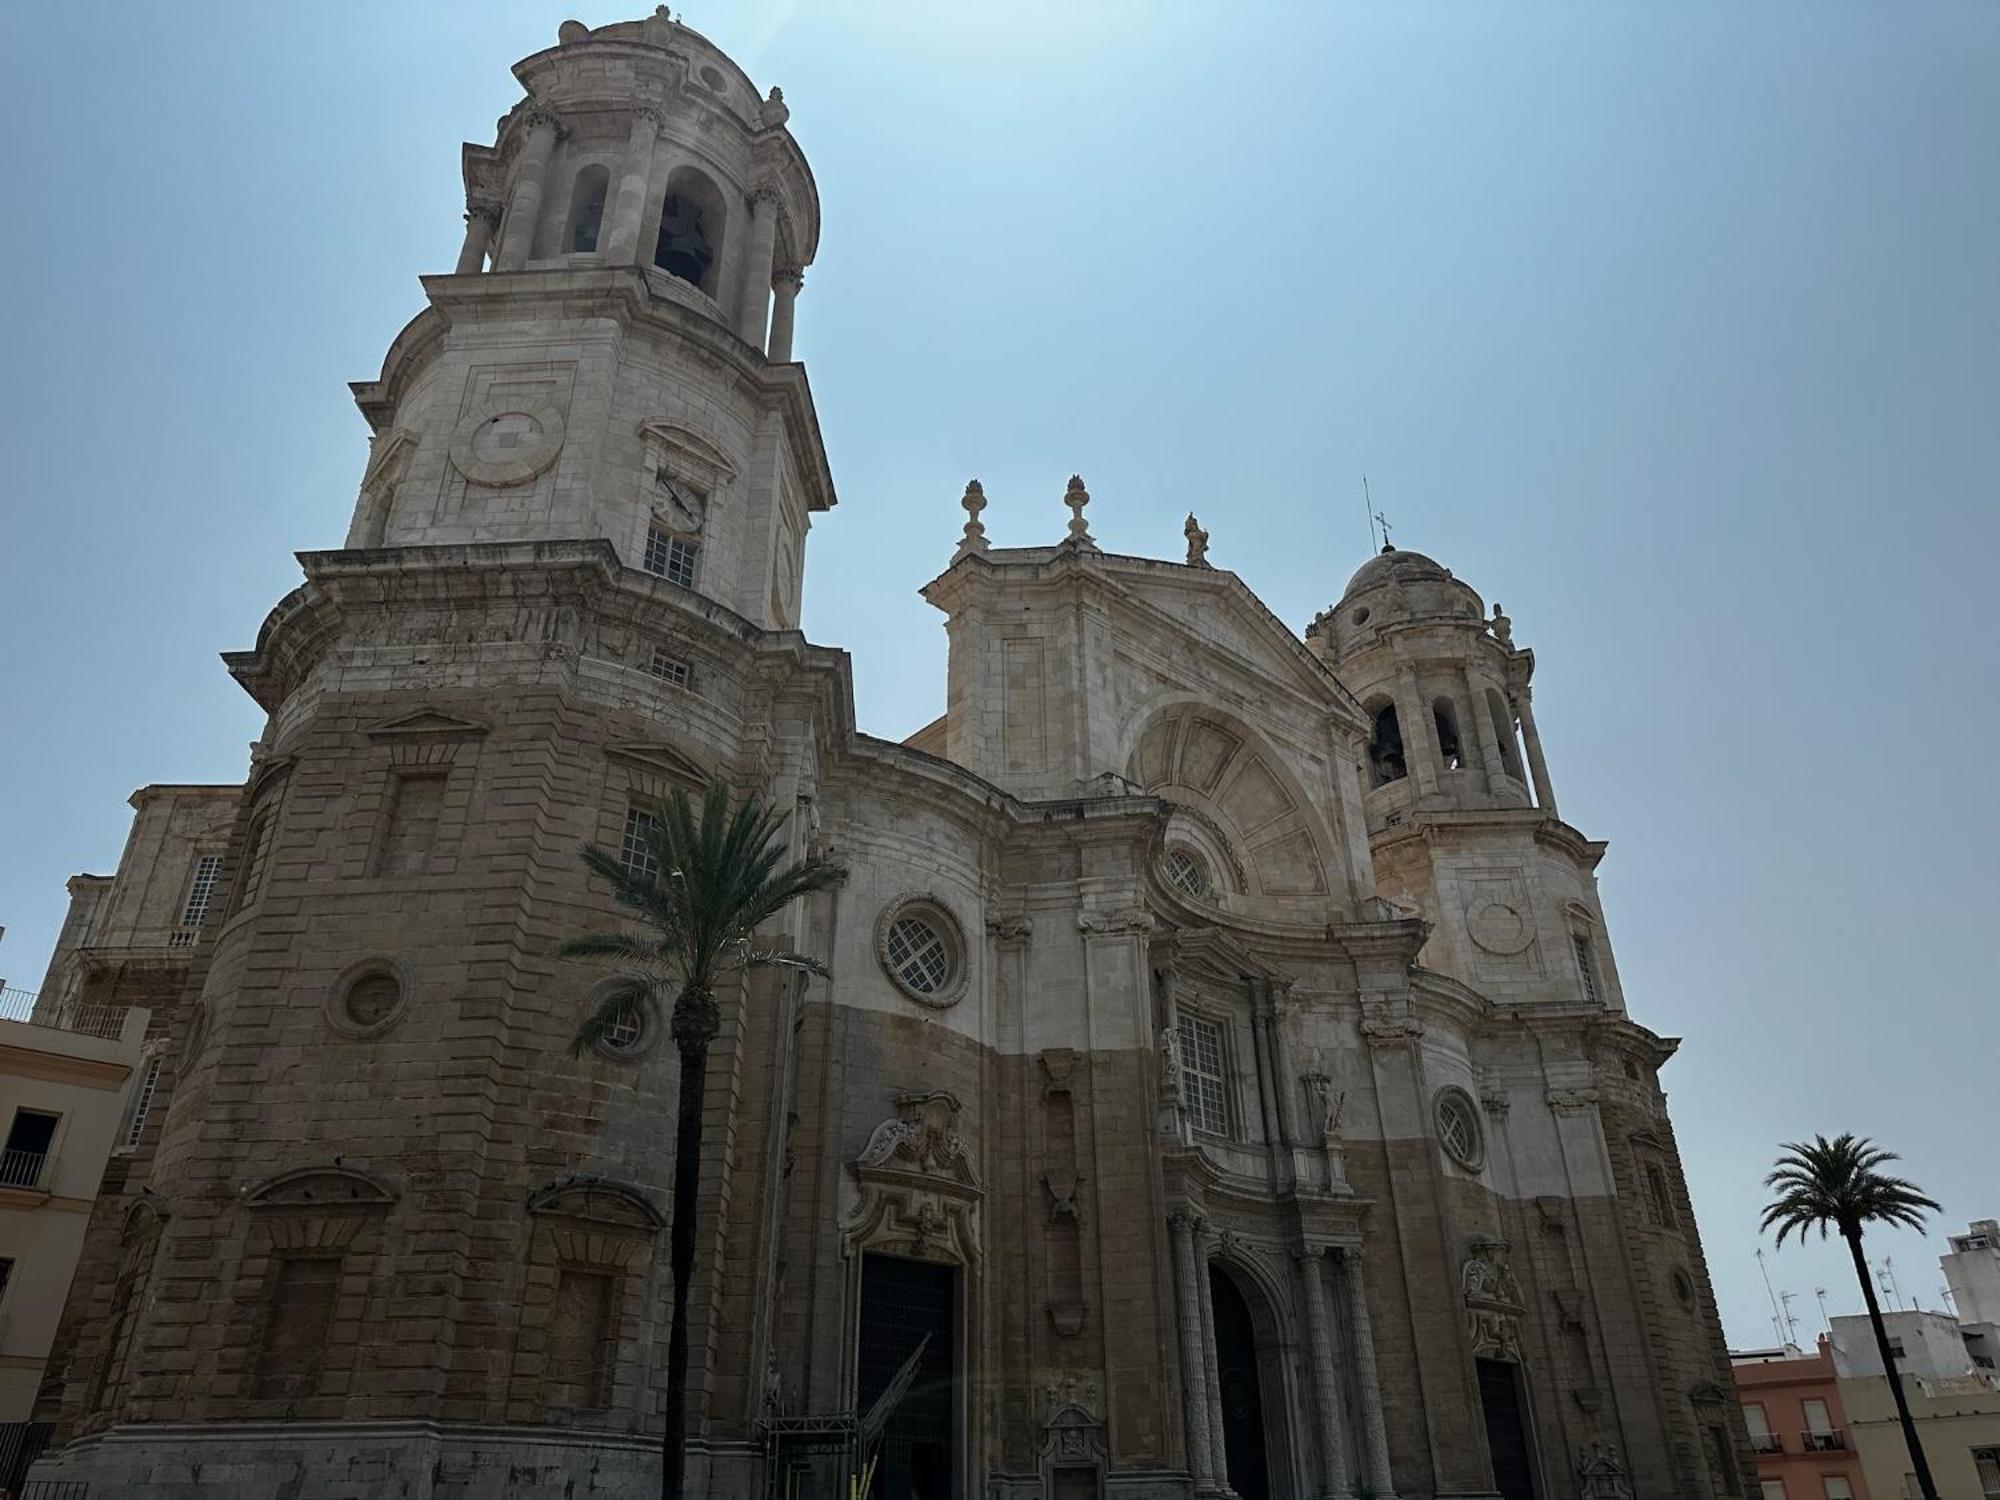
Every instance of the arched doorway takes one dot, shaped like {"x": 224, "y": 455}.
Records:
{"x": 1243, "y": 1395}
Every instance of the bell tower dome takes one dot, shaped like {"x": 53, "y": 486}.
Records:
{"x": 1461, "y": 812}
{"x": 611, "y": 357}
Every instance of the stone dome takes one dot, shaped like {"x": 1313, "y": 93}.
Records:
{"x": 1392, "y": 565}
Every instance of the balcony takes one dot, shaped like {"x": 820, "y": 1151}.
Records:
{"x": 22, "y": 1169}
{"x": 85, "y": 1020}
{"x": 1833, "y": 1440}
{"x": 1766, "y": 1442}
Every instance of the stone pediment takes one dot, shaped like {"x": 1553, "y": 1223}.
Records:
{"x": 321, "y": 1188}
{"x": 662, "y": 761}
{"x": 1211, "y": 953}
{"x": 690, "y": 454}
{"x": 428, "y": 722}
{"x": 597, "y": 1200}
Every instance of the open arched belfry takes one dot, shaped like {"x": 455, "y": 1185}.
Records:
{"x": 1223, "y": 1064}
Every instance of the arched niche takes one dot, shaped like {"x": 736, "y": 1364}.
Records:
{"x": 693, "y": 231}
{"x": 584, "y": 223}
{"x": 1226, "y": 780}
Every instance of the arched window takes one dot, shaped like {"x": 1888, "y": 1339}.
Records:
{"x": 1450, "y": 750}
{"x": 586, "y": 209}
{"x": 1503, "y": 731}
{"x": 1385, "y": 748}
{"x": 692, "y": 223}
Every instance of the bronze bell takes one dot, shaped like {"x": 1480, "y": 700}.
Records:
{"x": 684, "y": 250}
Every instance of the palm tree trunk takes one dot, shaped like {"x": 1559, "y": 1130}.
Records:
{"x": 1923, "y": 1469}
{"x": 694, "y": 1038}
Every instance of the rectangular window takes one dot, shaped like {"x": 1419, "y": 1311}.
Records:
{"x": 142, "y": 1103}
{"x": 201, "y": 888}
{"x": 1838, "y": 1488}
{"x": 6, "y": 1275}
{"x": 415, "y": 803}
{"x": 1586, "y": 965}
{"x": 263, "y": 829}
{"x": 27, "y": 1151}
{"x": 1817, "y": 1420}
{"x": 581, "y": 1346}
{"x": 295, "y": 1333}
{"x": 1722, "y": 1460}
{"x": 1986, "y": 1463}
{"x": 1772, "y": 1489}
{"x": 1895, "y": 1348}
{"x": 635, "y": 851}
{"x": 668, "y": 667}
{"x": 1204, "y": 1085}
{"x": 1659, "y": 1197}
{"x": 671, "y": 557}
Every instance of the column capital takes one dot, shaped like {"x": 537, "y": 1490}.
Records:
{"x": 765, "y": 192}
{"x": 647, "y": 114}
{"x": 540, "y": 114}
{"x": 1308, "y": 1254}
{"x": 794, "y": 276}
{"x": 486, "y": 213}
{"x": 1186, "y": 1219}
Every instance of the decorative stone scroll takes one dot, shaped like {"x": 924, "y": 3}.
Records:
{"x": 919, "y": 1191}
{"x": 1493, "y": 1301}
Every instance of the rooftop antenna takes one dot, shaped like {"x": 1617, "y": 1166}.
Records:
{"x": 1368, "y": 505}
{"x": 1777, "y": 1321}
{"x": 1791, "y": 1323}
{"x": 1820, "y": 1293}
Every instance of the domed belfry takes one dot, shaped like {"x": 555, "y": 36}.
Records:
{"x": 1221, "y": 1085}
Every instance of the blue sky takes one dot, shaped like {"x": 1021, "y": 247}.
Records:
{"x": 1675, "y": 328}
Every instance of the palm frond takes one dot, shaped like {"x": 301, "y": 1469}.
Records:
{"x": 1837, "y": 1185}
{"x": 780, "y": 958}
{"x": 625, "y": 994}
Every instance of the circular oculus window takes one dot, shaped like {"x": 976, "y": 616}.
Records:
{"x": 1458, "y": 1128}
{"x": 369, "y": 997}
{"x": 630, "y": 1035}
{"x": 919, "y": 946}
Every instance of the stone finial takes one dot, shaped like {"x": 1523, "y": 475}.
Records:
{"x": 571, "y": 31}
{"x": 974, "y": 501}
{"x": 1503, "y": 628}
{"x": 1076, "y": 497}
{"x": 775, "y": 111}
{"x": 1197, "y": 540}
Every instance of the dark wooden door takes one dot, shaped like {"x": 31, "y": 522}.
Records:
{"x": 1242, "y": 1398}
{"x": 1507, "y": 1436}
{"x": 901, "y": 1301}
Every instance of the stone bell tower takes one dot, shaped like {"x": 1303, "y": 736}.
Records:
{"x": 612, "y": 356}
{"x": 380, "y": 1209}
{"x": 1460, "y": 807}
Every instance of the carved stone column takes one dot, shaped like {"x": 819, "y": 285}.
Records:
{"x": 785, "y": 284}
{"x": 524, "y": 209}
{"x": 1497, "y": 780}
{"x": 1211, "y": 1373}
{"x": 1420, "y": 755}
{"x": 1538, "y": 768}
{"x": 481, "y": 219}
{"x": 1335, "y": 1475}
{"x": 1188, "y": 1269}
{"x": 1374, "y": 1432}
{"x": 635, "y": 177}
{"x": 755, "y": 308}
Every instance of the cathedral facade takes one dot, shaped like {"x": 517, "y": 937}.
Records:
{"x": 1222, "y": 1076}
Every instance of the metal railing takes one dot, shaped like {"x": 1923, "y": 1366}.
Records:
{"x": 22, "y": 1169}
{"x": 1766, "y": 1442}
{"x": 87, "y": 1020}
{"x": 1831, "y": 1440}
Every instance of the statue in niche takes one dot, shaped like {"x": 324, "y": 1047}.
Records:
{"x": 1171, "y": 1082}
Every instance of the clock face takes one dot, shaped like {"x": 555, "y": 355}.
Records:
{"x": 684, "y": 507}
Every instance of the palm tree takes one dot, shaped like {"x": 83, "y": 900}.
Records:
{"x": 700, "y": 887}
{"x": 1838, "y": 1184}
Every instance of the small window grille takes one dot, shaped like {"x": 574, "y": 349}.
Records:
{"x": 635, "y": 851}
{"x": 671, "y": 557}
{"x": 1187, "y": 872}
{"x": 201, "y": 889}
{"x": 1586, "y": 965}
{"x": 262, "y": 832}
{"x": 625, "y": 1033}
{"x": 1458, "y": 1129}
{"x": 143, "y": 1104}
{"x": 919, "y": 955}
{"x": 1204, "y": 1085}
{"x": 669, "y": 668}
